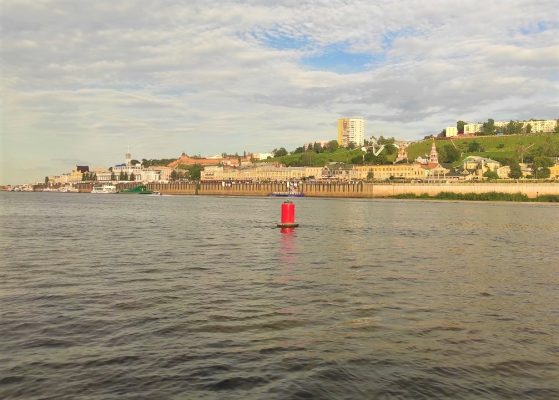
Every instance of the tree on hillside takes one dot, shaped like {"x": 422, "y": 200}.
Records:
{"x": 317, "y": 147}
{"x": 174, "y": 175}
{"x": 475, "y": 147}
{"x": 528, "y": 128}
{"x": 442, "y": 134}
{"x": 121, "y": 176}
{"x": 548, "y": 148}
{"x": 279, "y": 152}
{"x": 489, "y": 127}
{"x": 390, "y": 149}
{"x": 460, "y": 126}
{"x": 46, "y": 180}
{"x": 308, "y": 158}
{"x": 449, "y": 154}
{"x": 333, "y": 145}
{"x": 515, "y": 171}
{"x": 113, "y": 176}
{"x": 513, "y": 128}
{"x": 195, "y": 171}
{"x": 357, "y": 160}
{"x": 541, "y": 166}
{"x": 491, "y": 175}
{"x": 370, "y": 158}
{"x": 132, "y": 176}
{"x": 298, "y": 150}
{"x": 386, "y": 141}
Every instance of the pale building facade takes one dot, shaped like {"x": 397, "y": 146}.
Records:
{"x": 537, "y": 126}
{"x": 260, "y": 173}
{"x": 351, "y": 130}
{"x": 472, "y": 129}
{"x": 451, "y": 131}
{"x": 554, "y": 172}
{"x": 262, "y": 156}
{"x": 485, "y": 164}
{"x": 544, "y": 125}
{"x": 384, "y": 172}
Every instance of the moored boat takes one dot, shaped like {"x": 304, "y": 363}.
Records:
{"x": 104, "y": 189}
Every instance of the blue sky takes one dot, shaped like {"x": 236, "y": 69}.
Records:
{"x": 83, "y": 81}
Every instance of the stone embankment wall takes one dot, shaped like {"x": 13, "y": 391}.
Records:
{"x": 173, "y": 188}
{"x": 241, "y": 189}
{"x": 358, "y": 189}
{"x": 369, "y": 190}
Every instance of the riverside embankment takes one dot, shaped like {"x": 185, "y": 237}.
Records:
{"x": 355, "y": 190}
{"x": 351, "y": 190}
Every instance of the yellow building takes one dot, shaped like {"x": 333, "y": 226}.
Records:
{"x": 260, "y": 173}
{"x": 554, "y": 172}
{"x": 384, "y": 172}
{"x": 351, "y": 130}
{"x": 75, "y": 176}
{"x": 485, "y": 164}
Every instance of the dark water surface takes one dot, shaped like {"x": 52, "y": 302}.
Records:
{"x": 136, "y": 297}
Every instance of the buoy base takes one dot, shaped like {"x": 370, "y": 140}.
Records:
{"x": 287, "y": 225}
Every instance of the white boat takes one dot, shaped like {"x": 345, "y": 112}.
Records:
{"x": 105, "y": 189}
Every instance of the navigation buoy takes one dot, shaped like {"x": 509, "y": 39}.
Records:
{"x": 287, "y": 215}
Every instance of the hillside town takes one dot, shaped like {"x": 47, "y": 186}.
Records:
{"x": 373, "y": 159}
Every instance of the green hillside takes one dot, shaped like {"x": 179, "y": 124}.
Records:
{"x": 500, "y": 148}
{"x": 312, "y": 159}
{"x": 504, "y": 149}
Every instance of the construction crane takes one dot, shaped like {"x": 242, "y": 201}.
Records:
{"x": 521, "y": 150}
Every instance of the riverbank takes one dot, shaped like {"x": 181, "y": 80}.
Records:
{"x": 491, "y": 196}
{"x": 479, "y": 191}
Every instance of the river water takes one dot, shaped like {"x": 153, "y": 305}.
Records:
{"x": 193, "y": 297}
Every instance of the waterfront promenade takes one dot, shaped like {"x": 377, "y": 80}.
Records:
{"x": 355, "y": 190}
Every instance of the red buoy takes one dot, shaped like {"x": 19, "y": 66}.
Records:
{"x": 287, "y": 215}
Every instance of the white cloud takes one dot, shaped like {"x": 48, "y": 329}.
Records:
{"x": 83, "y": 80}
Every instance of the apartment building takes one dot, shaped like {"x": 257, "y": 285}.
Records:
{"x": 542, "y": 125}
{"x": 451, "y": 131}
{"x": 472, "y": 129}
{"x": 351, "y": 130}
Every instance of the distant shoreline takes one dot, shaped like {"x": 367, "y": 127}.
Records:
{"x": 492, "y": 196}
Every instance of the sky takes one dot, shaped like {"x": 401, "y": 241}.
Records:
{"x": 82, "y": 81}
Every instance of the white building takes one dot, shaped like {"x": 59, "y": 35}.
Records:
{"x": 542, "y": 125}
{"x": 351, "y": 130}
{"x": 451, "y": 131}
{"x": 472, "y": 129}
{"x": 262, "y": 156}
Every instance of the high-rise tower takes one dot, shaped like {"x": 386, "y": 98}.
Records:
{"x": 351, "y": 130}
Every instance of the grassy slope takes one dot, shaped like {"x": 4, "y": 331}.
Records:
{"x": 321, "y": 159}
{"x": 490, "y": 144}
